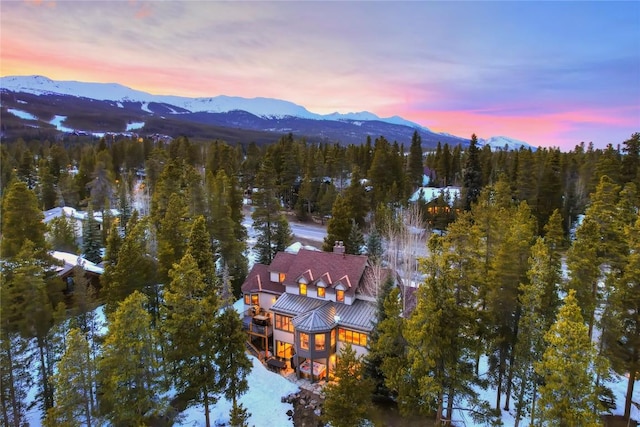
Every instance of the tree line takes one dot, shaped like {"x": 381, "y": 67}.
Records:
{"x": 490, "y": 268}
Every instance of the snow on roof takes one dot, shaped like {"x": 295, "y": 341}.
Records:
{"x": 295, "y": 248}
{"x": 73, "y": 259}
{"x": 429, "y": 194}
{"x": 70, "y": 212}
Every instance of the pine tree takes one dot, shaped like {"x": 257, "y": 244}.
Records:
{"x": 231, "y": 358}
{"x": 348, "y": 399}
{"x": 531, "y": 327}
{"x": 374, "y": 246}
{"x": 135, "y": 270}
{"x": 190, "y": 328}
{"x": 172, "y": 235}
{"x": 621, "y": 319}
{"x": 355, "y": 241}
{"x": 415, "y": 168}
{"x": 21, "y": 220}
{"x": 472, "y": 179}
{"x": 73, "y": 385}
{"x": 201, "y": 248}
{"x": 129, "y": 378}
{"x": 91, "y": 238}
{"x": 339, "y": 225}
{"x": 568, "y": 394}
{"x": 62, "y": 235}
{"x": 357, "y": 199}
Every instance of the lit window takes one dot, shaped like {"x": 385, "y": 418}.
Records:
{"x": 333, "y": 337}
{"x": 356, "y": 338}
{"x": 247, "y": 299}
{"x": 284, "y": 323}
{"x": 340, "y": 295}
{"x": 255, "y": 299}
{"x": 320, "y": 292}
{"x": 319, "y": 341}
{"x": 303, "y": 289}
{"x": 281, "y": 277}
{"x": 304, "y": 341}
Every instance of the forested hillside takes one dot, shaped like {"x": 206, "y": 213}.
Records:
{"x": 535, "y": 270}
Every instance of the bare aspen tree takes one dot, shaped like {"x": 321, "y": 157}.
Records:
{"x": 405, "y": 243}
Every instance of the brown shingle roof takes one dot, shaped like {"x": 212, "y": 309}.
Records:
{"x": 348, "y": 268}
{"x": 258, "y": 280}
{"x": 281, "y": 262}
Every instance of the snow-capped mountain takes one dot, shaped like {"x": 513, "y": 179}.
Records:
{"x": 119, "y": 106}
{"x": 261, "y": 107}
{"x": 504, "y": 143}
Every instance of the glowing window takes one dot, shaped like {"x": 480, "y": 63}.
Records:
{"x": 284, "y": 323}
{"x": 333, "y": 337}
{"x": 340, "y": 295}
{"x": 304, "y": 341}
{"x": 303, "y": 289}
{"x": 247, "y": 299}
{"x": 321, "y": 292}
{"x": 281, "y": 277}
{"x": 319, "y": 341}
{"x": 356, "y": 338}
{"x": 255, "y": 299}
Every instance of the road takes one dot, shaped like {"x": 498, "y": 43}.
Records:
{"x": 305, "y": 231}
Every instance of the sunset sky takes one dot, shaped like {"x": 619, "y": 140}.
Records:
{"x": 549, "y": 73}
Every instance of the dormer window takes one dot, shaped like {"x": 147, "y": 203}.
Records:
{"x": 281, "y": 277}
{"x": 321, "y": 292}
{"x": 303, "y": 288}
{"x": 339, "y": 295}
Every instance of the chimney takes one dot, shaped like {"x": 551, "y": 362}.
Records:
{"x": 338, "y": 247}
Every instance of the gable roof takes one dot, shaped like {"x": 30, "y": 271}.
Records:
{"x": 348, "y": 268}
{"x": 259, "y": 280}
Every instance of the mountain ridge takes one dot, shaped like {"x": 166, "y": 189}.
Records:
{"x": 271, "y": 115}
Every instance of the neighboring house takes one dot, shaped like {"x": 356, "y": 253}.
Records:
{"x": 76, "y": 217}
{"x": 65, "y": 270}
{"x": 305, "y": 307}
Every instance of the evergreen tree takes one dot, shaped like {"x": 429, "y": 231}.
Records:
{"x": 355, "y": 241}
{"x": 201, "y": 249}
{"x": 339, "y": 225}
{"x": 73, "y": 383}
{"x": 415, "y": 168}
{"x": 62, "y": 235}
{"x": 472, "y": 179}
{"x": 91, "y": 238}
{"x": 21, "y": 220}
{"x": 374, "y": 246}
{"x": 568, "y": 394}
{"x": 621, "y": 319}
{"x": 356, "y": 199}
{"x": 348, "y": 399}
{"x": 441, "y": 332}
{"x": 129, "y": 378}
{"x": 531, "y": 327}
{"x": 266, "y": 214}
{"x": 232, "y": 360}
{"x": 190, "y": 328}
{"x": 135, "y": 270}
{"x": 172, "y": 235}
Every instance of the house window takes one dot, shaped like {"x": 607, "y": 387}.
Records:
{"x": 281, "y": 277}
{"x": 353, "y": 337}
{"x": 319, "y": 341}
{"x": 304, "y": 341}
{"x": 303, "y": 289}
{"x": 247, "y": 299}
{"x": 321, "y": 292}
{"x": 284, "y": 349}
{"x": 333, "y": 337}
{"x": 284, "y": 323}
{"x": 340, "y": 295}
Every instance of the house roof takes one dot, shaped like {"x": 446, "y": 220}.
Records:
{"x": 321, "y": 319}
{"x": 71, "y": 260}
{"x": 281, "y": 262}
{"x": 343, "y": 268}
{"x": 313, "y": 315}
{"x": 259, "y": 280}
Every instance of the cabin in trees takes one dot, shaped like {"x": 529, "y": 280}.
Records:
{"x": 304, "y": 307}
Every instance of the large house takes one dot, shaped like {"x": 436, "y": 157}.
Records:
{"x": 305, "y": 307}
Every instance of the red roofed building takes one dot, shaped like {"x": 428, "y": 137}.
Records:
{"x": 304, "y": 307}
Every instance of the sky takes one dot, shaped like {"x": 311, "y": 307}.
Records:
{"x": 549, "y": 73}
